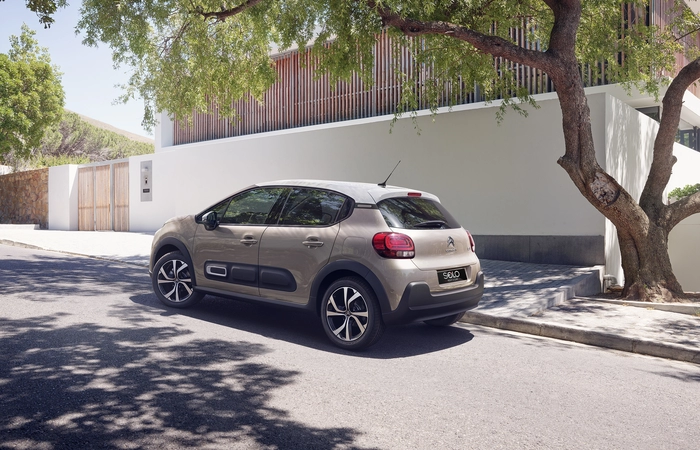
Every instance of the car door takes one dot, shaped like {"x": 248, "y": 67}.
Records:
{"x": 294, "y": 250}
{"x": 226, "y": 258}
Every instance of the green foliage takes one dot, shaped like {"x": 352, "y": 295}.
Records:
{"x": 31, "y": 95}
{"x": 187, "y": 53}
{"x": 75, "y": 141}
{"x": 44, "y": 9}
{"x": 685, "y": 191}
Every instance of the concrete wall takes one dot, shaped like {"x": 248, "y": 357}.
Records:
{"x": 498, "y": 180}
{"x": 24, "y": 198}
{"x": 63, "y": 197}
{"x": 684, "y": 240}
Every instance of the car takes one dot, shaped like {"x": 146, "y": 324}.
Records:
{"x": 361, "y": 256}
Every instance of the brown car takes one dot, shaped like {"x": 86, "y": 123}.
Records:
{"x": 359, "y": 255}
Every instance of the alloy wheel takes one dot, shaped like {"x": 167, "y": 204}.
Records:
{"x": 175, "y": 281}
{"x": 347, "y": 314}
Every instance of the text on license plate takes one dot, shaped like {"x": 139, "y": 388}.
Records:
{"x": 452, "y": 275}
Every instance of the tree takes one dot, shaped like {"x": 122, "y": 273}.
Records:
{"x": 44, "y": 9}
{"x": 31, "y": 95}
{"x": 185, "y": 52}
{"x": 76, "y": 141}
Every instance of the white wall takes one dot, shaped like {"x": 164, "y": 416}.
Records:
{"x": 629, "y": 144}
{"x": 496, "y": 179}
{"x": 684, "y": 240}
{"x": 63, "y": 197}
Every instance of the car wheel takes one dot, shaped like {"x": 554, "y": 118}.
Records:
{"x": 172, "y": 281}
{"x": 350, "y": 314}
{"x": 445, "y": 321}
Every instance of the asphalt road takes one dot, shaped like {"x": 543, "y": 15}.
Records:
{"x": 90, "y": 359}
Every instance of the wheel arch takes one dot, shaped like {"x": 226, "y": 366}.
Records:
{"x": 344, "y": 268}
{"x": 171, "y": 244}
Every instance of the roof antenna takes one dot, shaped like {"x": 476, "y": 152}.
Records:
{"x": 387, "y": 178}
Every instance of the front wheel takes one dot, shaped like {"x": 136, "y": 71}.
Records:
{"x": 445, "y": 321}
{"x": 172, "y": 281}
{"x": 350, "y": 314}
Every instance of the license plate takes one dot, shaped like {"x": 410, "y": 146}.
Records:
{"x": 452, "y": 275}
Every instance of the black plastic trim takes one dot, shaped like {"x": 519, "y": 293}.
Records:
{"x": 275, "y": 278}
{"x": 350, "y": 266}
{"x": 418, "y": 303}
{"x": 251, "y": 298}
{"x": 181, "y": 247}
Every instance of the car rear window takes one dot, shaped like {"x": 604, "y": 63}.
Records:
{"x": 416, "y": 213}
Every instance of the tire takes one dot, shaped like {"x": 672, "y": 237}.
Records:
{"x": 172, "y": 281}
{"x": 445, "y": 321}
{"x": 350, "y": 314}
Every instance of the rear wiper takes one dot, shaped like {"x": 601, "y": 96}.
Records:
{"x": 431, "y": 224}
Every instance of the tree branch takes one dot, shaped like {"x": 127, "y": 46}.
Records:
{"x": 663, "y": 160}
{"x": 225, "y": 12}
{"x": 682, "y": 209}
{"x": 492, "y": 45}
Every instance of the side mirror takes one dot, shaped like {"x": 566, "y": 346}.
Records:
{"x": 210, "y": 220}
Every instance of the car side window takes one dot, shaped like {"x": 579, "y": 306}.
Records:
{"x": 311, "y": 207}
{"x": 219, "y": 209}
{"x": 251, "y": 207}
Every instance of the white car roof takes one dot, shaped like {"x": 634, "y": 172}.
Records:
{"x": 360, "y": 192}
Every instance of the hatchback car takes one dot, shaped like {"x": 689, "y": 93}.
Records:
{"x": 360, "y": 255}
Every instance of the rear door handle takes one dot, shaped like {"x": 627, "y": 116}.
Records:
{"x": 312, "y": 242}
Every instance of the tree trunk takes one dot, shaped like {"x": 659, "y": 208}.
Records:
{"x": 647, "y": 267}
{"x": 643, "y": 225}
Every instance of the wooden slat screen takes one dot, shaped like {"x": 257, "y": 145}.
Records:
{"x": 121, "y": 196}
{"x": 299, "y": 98}
{"x": 103, "y": 219}
{"x": 86, "y": 199}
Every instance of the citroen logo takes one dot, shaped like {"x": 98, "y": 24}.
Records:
{"x": 450, "y": 245}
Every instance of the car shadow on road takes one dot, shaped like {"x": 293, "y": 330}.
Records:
{"x": 85, "y": 385}
{"x": 301, "y": 327}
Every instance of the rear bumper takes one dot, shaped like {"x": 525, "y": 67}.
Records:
{"x": 418, "y": 303}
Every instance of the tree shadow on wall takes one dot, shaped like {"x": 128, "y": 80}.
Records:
{"x": 90, "y": 386}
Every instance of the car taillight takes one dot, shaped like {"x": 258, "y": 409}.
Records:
{"x": 393, "y": 245}
{"x": 472, "y": 245}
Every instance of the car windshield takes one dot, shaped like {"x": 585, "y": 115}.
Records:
{"x": 416, "y": 213}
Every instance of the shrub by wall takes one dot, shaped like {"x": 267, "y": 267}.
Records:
{"x": 24, "y": 198}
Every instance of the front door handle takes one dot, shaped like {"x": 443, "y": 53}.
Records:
{"x": 249, "y": 240}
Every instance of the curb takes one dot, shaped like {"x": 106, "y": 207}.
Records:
{"x": 100, "y": 258}
{"x": 588, "y": 337}
{"x": 680, "y": 308}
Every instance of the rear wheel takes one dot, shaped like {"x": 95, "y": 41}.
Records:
{"x": 172, "y": 281}
{"x": 350, "y": 314}
{"x": 445, "y": 321}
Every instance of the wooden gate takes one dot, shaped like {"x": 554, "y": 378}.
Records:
{"x": 103, "y": 197}
{"x": 121, "y": 196}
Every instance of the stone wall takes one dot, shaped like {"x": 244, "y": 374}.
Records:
{"x": 24, "y": 198}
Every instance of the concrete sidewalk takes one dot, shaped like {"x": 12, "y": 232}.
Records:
{"x": 544, "y": 300}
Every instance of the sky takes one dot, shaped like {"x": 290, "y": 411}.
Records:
{"x": 89, "y": 77}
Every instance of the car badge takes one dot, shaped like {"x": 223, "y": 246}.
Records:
{"x": 450, "y": 245}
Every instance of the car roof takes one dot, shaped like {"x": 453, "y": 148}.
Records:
{"x": 360, "y": 192}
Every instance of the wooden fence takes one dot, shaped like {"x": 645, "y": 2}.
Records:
{"x": 300, "y": 97}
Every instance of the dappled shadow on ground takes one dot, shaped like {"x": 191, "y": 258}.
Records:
{"x": 48, "y": 275}
{"x": 523, "y": 289}
{"x": 89, "y": 386}
{"x": 302, "y": 327}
